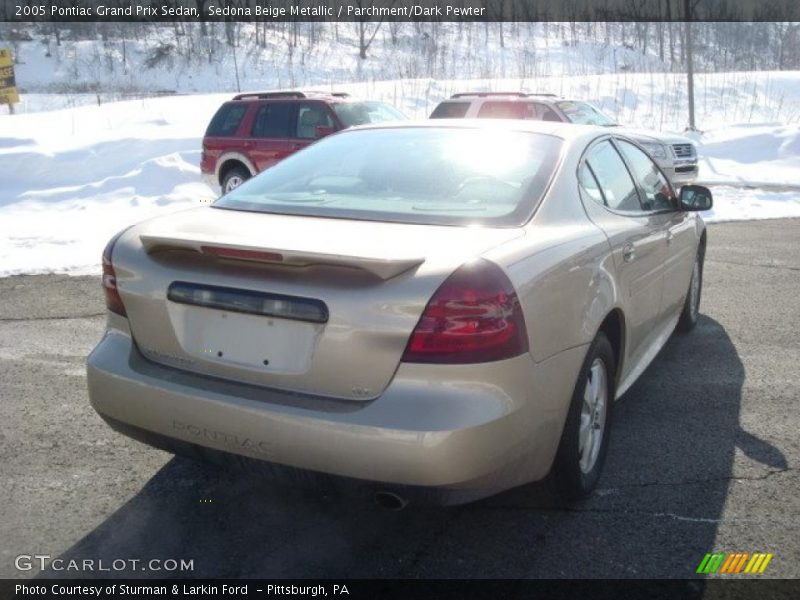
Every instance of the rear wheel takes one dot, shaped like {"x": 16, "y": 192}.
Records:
{"x": 584, "y": 442}
{"x": 234, "y": 178}
{"x": 691, "y": 307}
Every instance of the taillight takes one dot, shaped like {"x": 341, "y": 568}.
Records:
{"x": 113, "y": 300}
{"x": 473, "y": 317}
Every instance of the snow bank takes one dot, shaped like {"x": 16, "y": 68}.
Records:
{"x": 751, "y": 204}
{"x": 72, "y": 178}
{"x": 754, "y": 155}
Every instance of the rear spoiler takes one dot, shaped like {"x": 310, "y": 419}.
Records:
{"x": 383, "y": 267}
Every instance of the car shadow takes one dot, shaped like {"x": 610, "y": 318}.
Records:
{"x": 655, "y": 514}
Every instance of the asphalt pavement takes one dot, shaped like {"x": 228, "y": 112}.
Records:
{"x": 704, "y": 457}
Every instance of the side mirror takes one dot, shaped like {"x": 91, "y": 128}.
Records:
{"x": 695, "y": 197}
{"x": 320, "y": 131}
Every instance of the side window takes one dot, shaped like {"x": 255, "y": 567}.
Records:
{"x": 657, "y": 191}
{"x": 309, "y": 117}
{"x": 546, "y": 113}
{"x": 272, "y": 120}
{"x": 227, "y": 120}
{"x": 450, "y": 110}
{"x": 589, "y": 184}
{"x": 613, "y": 177}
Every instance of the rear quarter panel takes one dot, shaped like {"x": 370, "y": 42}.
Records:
{"x": 562, "y": 270}
{"x": 218, "y": 149}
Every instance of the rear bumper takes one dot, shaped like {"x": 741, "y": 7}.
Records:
{"x": 296, "y": 477}
{"x": 470, "y": 434}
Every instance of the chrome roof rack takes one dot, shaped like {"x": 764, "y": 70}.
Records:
{"x": 487, "y": 94}
{"x": 288, "y": 94}
{"x": 503, "y": 94}
{"x": 262, "y": 95}
{"x": 334, "y": 94}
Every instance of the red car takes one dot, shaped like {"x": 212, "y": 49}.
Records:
{"x": 254, "y": 131}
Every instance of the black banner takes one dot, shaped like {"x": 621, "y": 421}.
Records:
{"x": 674, "y": 589}
{"x": 397, "y": 10}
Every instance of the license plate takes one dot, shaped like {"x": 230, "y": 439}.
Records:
{"x": 256, "y": 342}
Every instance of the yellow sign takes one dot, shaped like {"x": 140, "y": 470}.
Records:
{"x": 8, "y": 86}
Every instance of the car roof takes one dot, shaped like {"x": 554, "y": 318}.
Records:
{"x": 566, "y": 131}
{"x": 482, "y": 98}
{"x": 503, "y": 97}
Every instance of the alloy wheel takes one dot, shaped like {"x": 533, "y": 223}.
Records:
{"x": 233, "y": 183}
{"x": 593, "y": 415}
{"x": 694, "y": 291}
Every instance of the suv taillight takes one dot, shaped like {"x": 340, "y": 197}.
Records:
{"x": 113, "y": 300}
{"x": 473, "y": 317}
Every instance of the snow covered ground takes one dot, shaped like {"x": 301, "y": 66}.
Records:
{"x": 74, "y": 175}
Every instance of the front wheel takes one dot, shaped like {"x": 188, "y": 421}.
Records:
{"x": 691, "y": 307}
{"x": 584, "y": 442}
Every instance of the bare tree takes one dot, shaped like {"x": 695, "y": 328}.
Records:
{"x": 365, "y": 37}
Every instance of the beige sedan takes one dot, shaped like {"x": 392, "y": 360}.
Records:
{"x": 443, "y": 309}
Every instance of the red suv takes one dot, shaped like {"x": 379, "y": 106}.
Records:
{"x": 254, "y": 131}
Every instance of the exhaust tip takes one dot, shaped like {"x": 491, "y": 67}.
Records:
{"x": 390, "y": 501}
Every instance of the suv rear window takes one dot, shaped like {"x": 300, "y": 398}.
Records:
{"x": 450, "y": 110}
{"x": 227, "y": 120}
{"x": 507, "y": 110}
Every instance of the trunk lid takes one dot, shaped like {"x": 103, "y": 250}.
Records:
{"x": 312, "y": 305}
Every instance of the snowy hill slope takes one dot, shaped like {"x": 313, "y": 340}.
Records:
{"x": 73, "y": 177}
{"x": 165, "y": 58}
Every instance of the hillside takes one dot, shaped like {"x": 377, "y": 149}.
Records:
{"x": 76, "y": 170}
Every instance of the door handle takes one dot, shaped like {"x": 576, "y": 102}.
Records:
{"x": 628, "y": 252}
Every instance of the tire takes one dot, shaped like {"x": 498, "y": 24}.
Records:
{"x": 691, "y": 306}
{"x": 581, "y": 455}
{"x": 234, "y": 178}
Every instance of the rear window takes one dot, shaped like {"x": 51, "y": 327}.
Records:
{"x": 450, "y": 110}
{"x": 227, "y": 120}
{"x": 410, "y": 175}
{"x": 507, "y": 110}
{"x": 363, "y": 113}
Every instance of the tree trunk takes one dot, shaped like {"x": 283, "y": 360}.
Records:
{"x": 362, "y": 40}
{"x": 689, "y": 63}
